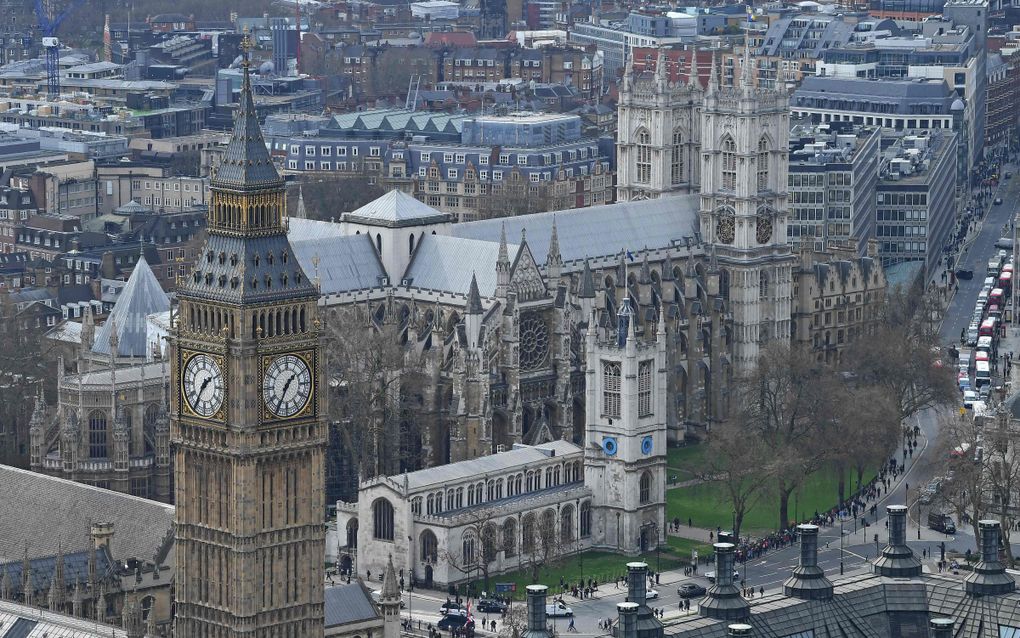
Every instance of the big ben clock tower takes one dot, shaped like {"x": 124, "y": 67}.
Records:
{"x": 247, "y": 417}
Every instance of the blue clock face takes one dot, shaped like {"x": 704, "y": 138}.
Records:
{"x": 609, "y": 445}
{"x": 647, "y": 445}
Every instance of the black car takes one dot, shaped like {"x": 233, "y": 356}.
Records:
{"x": 454, "y": 620}
{"x": 964, "y": 274}
{"x": 491, "y": 606}
{"x": 998, "y": 200}
{"x": 690, "y": 590}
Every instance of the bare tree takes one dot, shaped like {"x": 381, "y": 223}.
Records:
{"x": 376, "y": 385}
{"x": 515, "y": 622}
{"x": 735, "y": 460}
{"x": 543, "y": 545}
{"x": 966, "y": 488}
{"x": 867, "y": 426}
{"x": 786, "y": 406}
{"x": 480, "y": 546}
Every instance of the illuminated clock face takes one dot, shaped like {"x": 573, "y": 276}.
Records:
{"x": 724, "y": 227}
{"x": 287, "y": 385}
{"x": 763, "y": 228}
{"x": 203, "y": 385}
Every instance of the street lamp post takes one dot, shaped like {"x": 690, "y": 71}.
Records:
{"x": 840, "y": 543}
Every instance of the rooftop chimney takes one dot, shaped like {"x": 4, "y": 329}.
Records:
{"x": 537, "y": 627}
{"x": 896, "y": 559}
{"x": 941, "y": 627}
{"x": 989, "y": 576}
{"x": 738, "y": 629}
{"x": 808, "y": 581}
{"x": 723, "y": 600}
{"x": 645, "y": 624}
{"x": 627, "y": 627}
{"x": 102, "y": 535}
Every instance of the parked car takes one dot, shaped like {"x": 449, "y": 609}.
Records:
{"x": 690, "y": 590}
{"x": 651, "y": 594}
{"x": 491, "y": 606}
{"x": 1004, "y": 242}
{"x": 964, "y": 274}
{"x": 998, "y": 200}
{"x": 452, "y": 621}
{"x": 451, "y": 608}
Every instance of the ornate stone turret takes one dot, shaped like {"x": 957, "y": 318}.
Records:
{"x": 131, "y": 619}
{"x": 389, "y": 602}
{"x": 553, "y": 261}
{"x": 27, "y": 582}
{"x": 56, "y": 597}
{"x": 77, "y": 599}
{"x": 301, "y": 212}
{"x": 502, "y": 266}
{"x": 6, "y": 586}
{"x": 37, "y": 429}
{"x": 473, "y": 315}
{"x": 693, "y": 80}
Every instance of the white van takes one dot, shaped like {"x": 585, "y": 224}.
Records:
{"x": 989, "y": 281}
{"x": 972, "y": 334}
{"x": 982, "y": 374}
{"x": 558, "y": 608}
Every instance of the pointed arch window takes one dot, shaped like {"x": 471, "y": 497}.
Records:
{"x": 729, "y": 164}
{"x": 763, "y": 285}
{"x": 644, "y": 157}
{"x": 677, "y": 166}
{"x": 763, "y": 164}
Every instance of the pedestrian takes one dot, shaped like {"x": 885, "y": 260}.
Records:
{"x": 761, "y": 590}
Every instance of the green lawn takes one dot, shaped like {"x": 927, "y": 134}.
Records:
{"x": 708, "y": 504}
{"x": 685, "y": 462}
{"x": 602, "y": 566}
{"x": 683, "y": 546}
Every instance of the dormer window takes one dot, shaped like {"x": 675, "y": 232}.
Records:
{"x": 223, "y": 258}
{"x": 269, "y": 258}
{"x": 269, "y": 281}
{"x": 233, "y": 259}
{"x": 223, "y": 280}
{"x": 256, "y": 260}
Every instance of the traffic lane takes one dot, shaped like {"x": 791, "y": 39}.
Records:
{"x": 958, "y": 314}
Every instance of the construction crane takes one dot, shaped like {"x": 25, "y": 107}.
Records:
{"x": 47, "y": 29}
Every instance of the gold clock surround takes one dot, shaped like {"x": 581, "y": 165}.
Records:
{"x": 309, "y": 407}
{"x": 185, "y": 405}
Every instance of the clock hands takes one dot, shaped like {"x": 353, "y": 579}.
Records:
{"x": 205, "y": 383}
{"x": 283, "y": 393}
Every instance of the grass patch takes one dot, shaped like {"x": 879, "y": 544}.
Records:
{"x": 600, "y": 565}
{"x": 686, "y": 462}
{"x": 708, "y": 506}
{"x": 684, "y": 546}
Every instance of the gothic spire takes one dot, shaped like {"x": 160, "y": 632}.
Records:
{"x": 554, "y": 260}
{"x": 713, "y": 76}
{"x": 390, "y": 592}
{"x": 246, "y": 163}
{"x": 6, "y": 586}
{"x": 27, "y": 582}
{"x": 661, "y": 62}
{"x": 692, "y": 75}
{"x": 645, "y": 276}
{"x": 502, "y": 266}
{"x": 301, "y": 212}
{"x": 667, "y": 269}
{"x": 745, "y": 64}
{"x": 39, "y": 412}
{"x": 474, "y": 299}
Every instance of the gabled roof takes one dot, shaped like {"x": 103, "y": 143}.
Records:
{"x": 345, "y": 263}
{"x": 349, "y": 604}
{"x": 396, "y": 209}
{"x": 142, "y": 296}
{"x": 518, "y": 456}
{"x": 446, "y": 264}
{"x": 596, "y": 231}
{"x": 32, "y": 502}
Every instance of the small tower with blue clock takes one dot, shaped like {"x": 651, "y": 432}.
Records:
{"x": 625, "y": 438}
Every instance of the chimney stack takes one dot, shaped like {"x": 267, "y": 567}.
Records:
{"x": 808, "y": 581}
{"x": 102, "y": 535}
{"x": 941, "y": 627}
{"x": 537, "y": 627}
{"x": 645, "y": 622}
{"x": 723, "y": 600}
{"x": 627, "y": 627}
{"x": 897, "y": 560}
{"x": 637, "y": 575}
{"x": 989, "y": 577}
